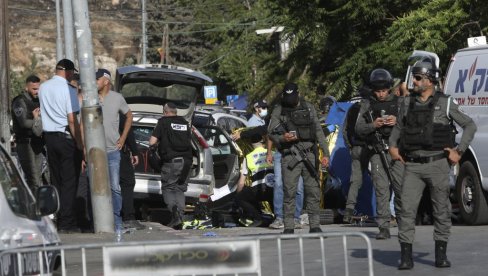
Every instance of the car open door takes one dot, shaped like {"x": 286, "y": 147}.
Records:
{"x": 225, "y": 156}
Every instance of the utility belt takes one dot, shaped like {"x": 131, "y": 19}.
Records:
{"x": 424, "y": 160}
{"x": 58, "y": 134}
{"x": 175, "y": 160}
{"x": 27, "y": 140}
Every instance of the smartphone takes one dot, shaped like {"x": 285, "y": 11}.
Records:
{"x": 293, "y": 132}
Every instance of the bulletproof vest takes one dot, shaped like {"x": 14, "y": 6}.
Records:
{"x": 352, "y": 139}
{"x": 260, "y": 171}
{"x": 421, "y": 133}
{"x": 300, "y": 120}
{"x": 379, "y": 109}
{"x": 175, "y": 138}
{"x": 31, "y": 105}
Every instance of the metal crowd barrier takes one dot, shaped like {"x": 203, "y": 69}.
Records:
{"x": 329, "y": 253}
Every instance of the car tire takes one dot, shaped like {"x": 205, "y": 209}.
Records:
{"x": 470, "y": 196}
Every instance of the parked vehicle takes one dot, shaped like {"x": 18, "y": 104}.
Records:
{"x": 146, "y": 89}
{"x": 466, "y": 81}
{"x": 25, "y": 222}
{"x": 226, "y": 121}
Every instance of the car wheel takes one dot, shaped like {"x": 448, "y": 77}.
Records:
{"x": 469, "y": 193}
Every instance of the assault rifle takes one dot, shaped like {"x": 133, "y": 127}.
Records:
{"x": 381, "y": 147}
{"x": 299, "y": 154}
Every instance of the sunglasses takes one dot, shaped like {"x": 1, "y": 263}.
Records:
{"x": 418, "y": 77}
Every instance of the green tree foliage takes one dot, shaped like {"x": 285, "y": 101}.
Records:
{"x": 334, "y": 44}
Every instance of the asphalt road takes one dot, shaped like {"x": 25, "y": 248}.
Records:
{"x": 467, "y": 250}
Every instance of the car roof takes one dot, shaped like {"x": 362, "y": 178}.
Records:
{"x": 162, "y": 68}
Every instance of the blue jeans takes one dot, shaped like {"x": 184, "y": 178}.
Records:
{"x": 113, "y": 158}
{"x": 278, "y": 190}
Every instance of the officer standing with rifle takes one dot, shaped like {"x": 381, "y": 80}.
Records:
{"x": 376, "y": 119}
{"x": 295, "y": 128}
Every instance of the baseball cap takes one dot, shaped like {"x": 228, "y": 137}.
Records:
{"x": 290, "y": 95}
{"x": 66, "y": 64}
{"x": 103, "y": 73}
{"x": 261, "y": 103}
{"x": 290, "y": 89}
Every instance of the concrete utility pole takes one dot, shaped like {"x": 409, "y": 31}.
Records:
{"x": 59, "y": 39}
{"x": 69, "y": 41}
{"x": 4, "y": 78}
{"x": 101, "y": 195}
{"x": 144, "y": 35}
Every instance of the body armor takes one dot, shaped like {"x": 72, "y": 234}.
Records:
{"x": 421, "y": 133}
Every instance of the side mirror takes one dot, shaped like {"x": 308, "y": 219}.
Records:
{"x": 47, "y": 200}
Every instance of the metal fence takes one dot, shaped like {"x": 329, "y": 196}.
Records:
{"x": 330, "y": 253}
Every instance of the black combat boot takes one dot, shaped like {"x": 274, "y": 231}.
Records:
{"x": 348, "y": 213}
{"x": 440, "y": 254}
{"x": 288, "y": 231}
{"x": 315, "y": 230}
{"x": 406, "y": 261}
{"x": 383, "y": 234}
{"x": 176, "y": 220}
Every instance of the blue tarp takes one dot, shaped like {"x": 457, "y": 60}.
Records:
{"x": 240, "y": 103}
{"x": 340, "y": 163}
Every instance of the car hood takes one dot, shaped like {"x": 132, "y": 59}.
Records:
{"x": 148, "y": 87}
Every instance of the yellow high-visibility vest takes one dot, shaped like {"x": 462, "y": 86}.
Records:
{"x": 259, "y": 170}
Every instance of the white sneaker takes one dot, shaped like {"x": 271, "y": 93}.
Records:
{"x": 277, "y": 224}
{"x": 304, "y": 219}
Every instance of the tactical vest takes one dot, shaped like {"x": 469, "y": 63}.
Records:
{"x": 352, "y": 138}
{"x": 379, "y": 109}
{"x": 300, "y": 120}
{"x": 175, "y": 138}
{"x": 260, "y": 171}
{"x": 30, "y": 105}
{"x": 419, "y": 131}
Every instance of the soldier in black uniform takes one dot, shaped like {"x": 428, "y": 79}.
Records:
{"x": 174, "y": 135}
{"x": 129, "y": 157}
{"x": 27, "y": 128}
{"x": 423, "y": 139}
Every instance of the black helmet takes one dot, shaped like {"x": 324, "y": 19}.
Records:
{"x": 380, "y": 79}
{"x": 426, "y": 67}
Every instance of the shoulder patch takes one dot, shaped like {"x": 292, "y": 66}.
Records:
{"x": 18, "y": 110}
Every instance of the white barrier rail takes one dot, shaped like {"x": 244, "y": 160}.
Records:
{"x": 303, "y": 254}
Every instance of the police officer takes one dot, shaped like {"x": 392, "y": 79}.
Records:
{"x": 376, "y": 119}
{"x": 359, "y": 153}
{"x": 423, "y": 139}
{"x": 26, "y": 119}
{"x": 174, "y": 135}
{"x": 295, "y": 128}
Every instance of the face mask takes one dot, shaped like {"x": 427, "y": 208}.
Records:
{"x": 263, "y": 113}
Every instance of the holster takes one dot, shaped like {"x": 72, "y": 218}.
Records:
{"x": 292, "y": 163}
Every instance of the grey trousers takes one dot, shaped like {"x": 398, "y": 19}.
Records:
{"x": 436, "y": 176}
{"x": 359, "y": 164}
{"x": 175, "y": 198}
{"x": 30, "y": 158}
{"x": 311, "y": 191}
{"x": 381, "y": 185}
